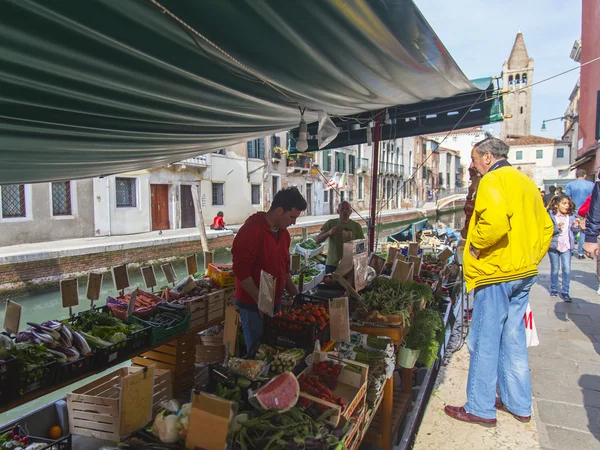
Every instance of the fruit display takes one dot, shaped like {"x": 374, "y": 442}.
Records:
{"x": 145, "y": 303}
{"x": 281, "y": 393}
{"x": 312, "y": 385}
{"x": 328, "y": 373}
{"x": 307, "y": 314}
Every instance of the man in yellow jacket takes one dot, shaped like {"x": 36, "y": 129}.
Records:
{"x": 509, "y": 234}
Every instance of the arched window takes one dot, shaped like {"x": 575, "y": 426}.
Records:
{"x": 517, "y": 80}
{"x": 524, "y": 80}
{"x": 510, "y": 81}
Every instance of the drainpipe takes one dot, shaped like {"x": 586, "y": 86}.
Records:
{"x": 108, "y": 202}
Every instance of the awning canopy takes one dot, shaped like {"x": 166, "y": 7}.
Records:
{"x": 97, "y": 87}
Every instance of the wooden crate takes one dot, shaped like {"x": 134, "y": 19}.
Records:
{"x": 94, "y": 409}
{"x": 163, "y": 388}
{"x": 178, "y": 356}
{"x": 229, "y": 296}
{"x": 208, "y": 354}
{"x": 198, "y": 308}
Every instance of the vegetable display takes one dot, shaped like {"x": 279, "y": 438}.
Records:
{"x": 248, "y": 368}
{"x": 291, "y": 430}
{"x": 63, "y": 343}
{"x": 287, "y": 360}
{"x": 101, "y": 330}
{"x": 309, "y": 244}
{"x": 423, "y": 336}
{"x": 308, "y": 314}
{"x": 233, "y": 394}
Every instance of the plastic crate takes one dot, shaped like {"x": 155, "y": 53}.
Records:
{"x": 292, "y": 334}
{"x": 223, "y": 278}
{"x": 63, "y": 443}
{"x": 160, "y": 333}
{"x": 35, "y": 379}
{"x": 8, "y": 377}
{"x": 74, "y": 369}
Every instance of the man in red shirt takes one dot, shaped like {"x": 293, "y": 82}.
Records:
{"x": 263, "y": 243}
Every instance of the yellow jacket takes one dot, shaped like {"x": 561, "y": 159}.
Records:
{"x": 510, "y": 227}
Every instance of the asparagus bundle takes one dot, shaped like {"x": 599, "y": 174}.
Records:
{"x": 287, "y": 360}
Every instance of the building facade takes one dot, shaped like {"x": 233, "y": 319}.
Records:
{"x": 517, "y": 78}
{"x": 46, "y": 211}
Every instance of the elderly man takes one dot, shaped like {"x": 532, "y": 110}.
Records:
{"x": 508, "y": 235}
{"x": 338, "y": 231}
{"x": 579, "y": 190}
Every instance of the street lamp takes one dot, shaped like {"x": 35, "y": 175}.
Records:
{"x": 569, "y": 115}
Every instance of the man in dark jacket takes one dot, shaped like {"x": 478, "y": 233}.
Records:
{"x": 579, "y": 190}
{"x": 263, "y": 243}
{"x": 592, "y": 226}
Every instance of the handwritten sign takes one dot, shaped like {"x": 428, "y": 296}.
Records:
{"x": 149, "y": 276}
{"x": 391, "y": 255}
{"x": 361, "y": 262}
{"x": 136, "y": 400}
{"x": 131, "y": 305}
{"x": 416, "y": 260}
{"x": 296, "y": 261}
{"x": 401, "y": 270}
{"x": 413, "y": 249}
{"x": 12, "y": 317}
{"x": 120, "y": 277}
{"x": 94, "y": 285}
{"x": 169, "y": 272}
{"x": 192, "y": 264}
{"x": 445, "y": 255}
{"x": 69, "y": 293}
{"x": 209, "y": 258}
{"x": 377, "y": 263}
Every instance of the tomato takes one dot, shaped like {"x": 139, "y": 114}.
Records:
{"x": 317, "y": 313}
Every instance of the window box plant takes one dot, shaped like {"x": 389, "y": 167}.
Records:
{"x": 421, "y": 343}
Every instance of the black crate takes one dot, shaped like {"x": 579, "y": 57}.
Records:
{"x": 35, "y": 379}
{"x": 291, "y": 334}
{"x": 74, "y": 369}
{"x": 8, "y": 379}
{"x": 63, "y": 443}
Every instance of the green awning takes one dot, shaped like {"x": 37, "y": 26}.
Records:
{"x": 97, "y": 87}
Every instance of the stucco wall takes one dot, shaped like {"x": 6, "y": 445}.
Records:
{"x": 40, "y": 225}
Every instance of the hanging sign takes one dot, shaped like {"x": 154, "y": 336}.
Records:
{"x": 149, "y": 277}
{"x": 169, "y": 272}
{"x": 401, "y": 270}
{"x": 120, "y": 277}
{"x": 416, "y": 260}
{"x": 94, "y": 285}
{"x": 12, "y": 317}
{"x": 413, "y": 249}
{"x": 69, "y": 293}
{"x": 192, "y": 264}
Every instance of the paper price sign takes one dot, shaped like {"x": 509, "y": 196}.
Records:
{"x": 69, "y": 293}
{"x": 192, "y": 264}
{"x": 94, "y": 285}
{"x": 12, "y": 317}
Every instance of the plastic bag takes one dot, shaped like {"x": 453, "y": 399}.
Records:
{"x": 328, "y": 131}
{"x": 530, "y": 330}
{"x": 339, "y": 316}
{"x": 266, "y": 293}
{"x": 247, "y": 368}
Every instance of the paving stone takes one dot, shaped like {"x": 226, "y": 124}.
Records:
{"x": 581, "y": 351}
{"x": 544, "y": 362}
{"x": 565, "y": 307}
{"x": 570, "y": 416}
{"x": 590, "y": 368}
{"x": 557, "y": 393}
{"x": 561, "y": 438}
{"x": 575, "y": 335}
{"x": 551, "y": 376}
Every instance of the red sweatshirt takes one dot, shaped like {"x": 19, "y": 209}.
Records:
{"x": 218, "y": 222}
{"x": 256, "y": 248}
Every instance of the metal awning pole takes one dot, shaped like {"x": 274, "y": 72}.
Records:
{"x": 374, "y": 172}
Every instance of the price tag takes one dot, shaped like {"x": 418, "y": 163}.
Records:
{"x": 149, "y": 277}
{"x": 209, "y": 258}
{"x": 413, "y": 249}
{"x": 416, "y": 260}
{"x": 296, "y": 261}
{"x": 94, "y": 285}
{"x": 69, "y": 293}
{"x": 445, "y": 255}
{"x": 169, "y": 272}
{"x": 191, "y": 263}
{"x": 12, "y": 317}
{"x": 120, "y": 277}
{"x": 401, "y": 270}
{"x": 131, "y": 306}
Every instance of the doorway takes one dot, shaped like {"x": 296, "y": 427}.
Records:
{"x": 159, "y": 199}
{"x": 309, "y": 199}
{"x": 188, "y": 211}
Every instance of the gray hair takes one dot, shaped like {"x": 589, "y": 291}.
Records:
{"x": 496, "y": 147}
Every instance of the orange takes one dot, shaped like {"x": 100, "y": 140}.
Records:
{"x": 55, "y": 432}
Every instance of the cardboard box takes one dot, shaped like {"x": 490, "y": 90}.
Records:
{"x": 209, "y": 422}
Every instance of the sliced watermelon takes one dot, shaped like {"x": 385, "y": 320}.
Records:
{"x": 281, "y": 393}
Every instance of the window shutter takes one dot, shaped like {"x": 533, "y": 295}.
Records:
{"x": 261, "y": 148}
{"x": 250, "y": 149}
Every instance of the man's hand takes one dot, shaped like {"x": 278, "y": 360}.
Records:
{"x": 474, "y": 252}
{"x": 334, "y": 231}
{"x": 590, "y": 249}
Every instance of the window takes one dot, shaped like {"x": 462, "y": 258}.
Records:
{"x": 519, "y": 155}
{"x": 327, "y": 160}
{"x": 351, "y": 164}
{"x": 524, "y": 80}
{"x": 424, "y": 169}
{"x": 521, "y": 110}
{"x": 256, "y": 148}
{"x": 275, "y": 141}
{"x": 340, "y": 162}
{"x": 222, "y": 151}
{"x": 126, "y": 189}
{"x": 350, "y": 196}
{"x": 61, "y": 198}
{"x": 291, "y": 143}
{"x": 361, "y": 187}
{"x": 424, "y": 148}
{"x": 440, "y": 179}
{"x": 217, "y": 194}
{"x": 510, "y": 80}
{"x": 255, "y": 194}
{"x": 560, "y": 152}
{"x": 325, "y": 196}
{"x": 517, "y": 80}
{"x": 275, "y": 185}
{"x": 539, "y": 154}
{"x": 13, "y": 200}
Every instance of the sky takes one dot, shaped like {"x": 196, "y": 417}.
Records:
{"x": 480, "y": 34}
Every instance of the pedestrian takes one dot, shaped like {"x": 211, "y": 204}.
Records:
{"x": 509, "y": 233}
{"x": 559, "y": 191}
{"x": 592, "y": 228}
{"x": 336, "y": 232}
{"x": 579, "y": 190}
{"x": 263, "y": 244}
{"x": 566, "y": 225}
{"x": 549, "y": 196}
{"x": 218, "y": 222}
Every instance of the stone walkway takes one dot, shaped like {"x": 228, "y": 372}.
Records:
{"x": 565, "y": 372}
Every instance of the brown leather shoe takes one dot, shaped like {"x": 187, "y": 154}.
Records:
{"x": 500, "y": 406}
{"x": 459, "y": 413}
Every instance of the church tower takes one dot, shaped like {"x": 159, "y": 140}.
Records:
{"x": 517, "y": 77}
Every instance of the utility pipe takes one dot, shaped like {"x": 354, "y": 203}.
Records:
{"x": 374, "y": 172}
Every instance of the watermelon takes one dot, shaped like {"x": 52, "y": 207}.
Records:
{"x": 281, "y": 393}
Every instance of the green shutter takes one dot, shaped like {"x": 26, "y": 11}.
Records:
{"x": 250, "y": 146}
{"x": 261, "y": 148}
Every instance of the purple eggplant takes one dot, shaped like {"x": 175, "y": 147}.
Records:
{"x": 81, "y": 344}
{"x": 72, "y": 354}
{"x": 40, "y": 328}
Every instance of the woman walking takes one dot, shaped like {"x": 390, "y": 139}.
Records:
{"x": 566, "y": 225}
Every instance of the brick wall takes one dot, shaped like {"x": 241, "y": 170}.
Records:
{"x": 51, "y": 270}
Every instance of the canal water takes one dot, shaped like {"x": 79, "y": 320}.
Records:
{"x": 42, "y": 306}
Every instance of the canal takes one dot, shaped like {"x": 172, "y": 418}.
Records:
{"x": 41, "y": 306}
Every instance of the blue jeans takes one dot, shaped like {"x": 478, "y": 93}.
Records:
{"x": 580, "y": 243}
{"x": 252, "y": 324}
{"x": 556, "y": 260}
{"x": 498, "y": 349}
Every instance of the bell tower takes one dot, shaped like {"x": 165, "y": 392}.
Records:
{"x": 517, "y": 77}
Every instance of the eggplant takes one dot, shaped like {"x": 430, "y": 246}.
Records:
{"x": 70, "y": 352}
{"x": 40, "y": 328}
{"x": 46, "y": 339}
{"x": 81, "y": 344}
{"x": 54, "y": 324}
{"x": 60, "y": 356}
{"x": 66, "y": 337}
{"x": 25, "y": 336}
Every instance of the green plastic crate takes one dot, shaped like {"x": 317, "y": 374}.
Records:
{"x": 161, "y": 334}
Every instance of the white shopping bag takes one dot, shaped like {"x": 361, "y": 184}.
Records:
{"x": 530, "y": 331}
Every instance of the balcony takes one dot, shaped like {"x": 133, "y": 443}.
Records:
{"x": 301, "y": 164}
{"x": 389, "y": 168}
{"x": 363, "y": 165}
{"x": 201, "y": 161}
